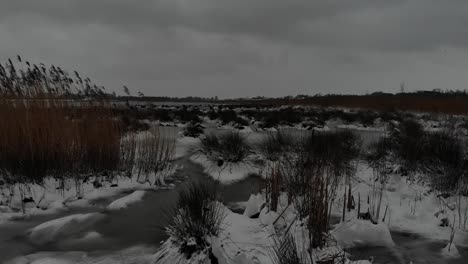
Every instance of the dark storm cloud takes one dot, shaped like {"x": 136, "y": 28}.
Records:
{"x": 226, "y": 47}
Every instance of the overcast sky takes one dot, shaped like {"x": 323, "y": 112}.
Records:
{"x": 237, "y": 48}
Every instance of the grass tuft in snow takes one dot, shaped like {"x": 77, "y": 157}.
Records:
{"x": 230, "y": 147}
{"x": 275, "y": 145}
{"x": 198, "y": 215}
{"x": 284, "y": 251}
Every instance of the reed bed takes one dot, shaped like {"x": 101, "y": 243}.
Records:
{"x": 62, "y": 126}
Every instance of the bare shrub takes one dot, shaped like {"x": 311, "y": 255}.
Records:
{"x": 193, "y": 130}
{"x": 128, "y": 146}
{"x": 285, "y": 251}
{"x": 311, "y": 177}
{"x": 444, "y": 159}
{"x": 273, "y": 187}
{"x": 440, "y": 155}
{"x": 155, "y": 153}
{"x": 275, "y": 145}
{"x": 379, "y": 158}
{"x": 409, "y": 138}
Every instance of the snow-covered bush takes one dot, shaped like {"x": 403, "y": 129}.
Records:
{"x": 276, "y": 145}
{"x": 311, "y": 176}
{"x": 193, "y": 130}
{"x": 198, "y": 216}
{"x": 230, "y": 147}
{"x": 444, "y": 160}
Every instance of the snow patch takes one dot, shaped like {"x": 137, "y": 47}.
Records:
{"x": 64, "y": 227}
{"x": 357, "y": 232}
{"x": 124, "y": 202}
{"x": 450, "y": 251}
{"x": 254, "y": 205}
{"x": 228, "y": 173}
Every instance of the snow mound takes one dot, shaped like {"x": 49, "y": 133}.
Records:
{"x": 361, "y": 232}
{"x": 90, "y": 241}
{"x": 5, "y": 209}
{"x": 254, "y": 205}
{"x": 242, "y": 241}
{"x": 450, "y": 251}
{"x": 51, "y": 261}
{"x": 64, "y": 227}
{"x": 246, "y": 129}
{"x": 228, "y": 173}
{"x": 124, "y": 202}
{"x": 268, "y": 217}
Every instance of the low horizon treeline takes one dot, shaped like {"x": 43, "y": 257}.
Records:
{"x": 446, "y": 102}
{"x": 431, "y": 101}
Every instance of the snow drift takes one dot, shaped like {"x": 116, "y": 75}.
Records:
{"x": 62, "y": 228}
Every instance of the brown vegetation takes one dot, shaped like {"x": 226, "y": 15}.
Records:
{"x": 447, "y": 104}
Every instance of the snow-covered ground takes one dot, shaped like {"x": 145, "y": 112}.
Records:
{"x": 412, "y": 207}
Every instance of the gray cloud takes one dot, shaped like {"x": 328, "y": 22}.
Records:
{"x": 245, "y": 47}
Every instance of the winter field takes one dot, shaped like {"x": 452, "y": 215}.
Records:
{"x": 308, "y": 192}
{"x": 88, "y": 181}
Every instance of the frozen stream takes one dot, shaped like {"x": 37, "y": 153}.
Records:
{"x": 141, "y": 223}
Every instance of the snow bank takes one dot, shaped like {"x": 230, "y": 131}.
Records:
{"x": 242, "y": 241}
{"x": 136, "y": 254}
{"x": 183, "y": 145}
{"x": 124, "y": 202}
{"x": 246, "y": 129}
{"x": 268, "y": 217}
{"x": 450, "y": 251}
{"x": 412, "y": 206}
{"x": 89, "y": 241}
{"x": 64, "y": 227}
{"x": 254, "y": 205}
{"x": 226, "y": 174}
{"x": 361, "y": 128}
{"x": 357, "y": 232}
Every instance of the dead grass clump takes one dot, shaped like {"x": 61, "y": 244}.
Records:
{"x": 198, "y": 215}
{"x": 154, "y": 155}
{"x": 276, "y": 145}
{"x": 53, "y": 124}
{"x": 231, "y": 147}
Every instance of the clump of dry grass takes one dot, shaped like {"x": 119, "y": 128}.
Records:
{"x": 154, "y": 155}
{"x": 53, "y": 125}
{"x": 228, "y": 148}
{"x": 197, "y": 216}
{"x": 276, "y": 144}
{"x": 310, "y": 176}
{"x": 59, "y": 125}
